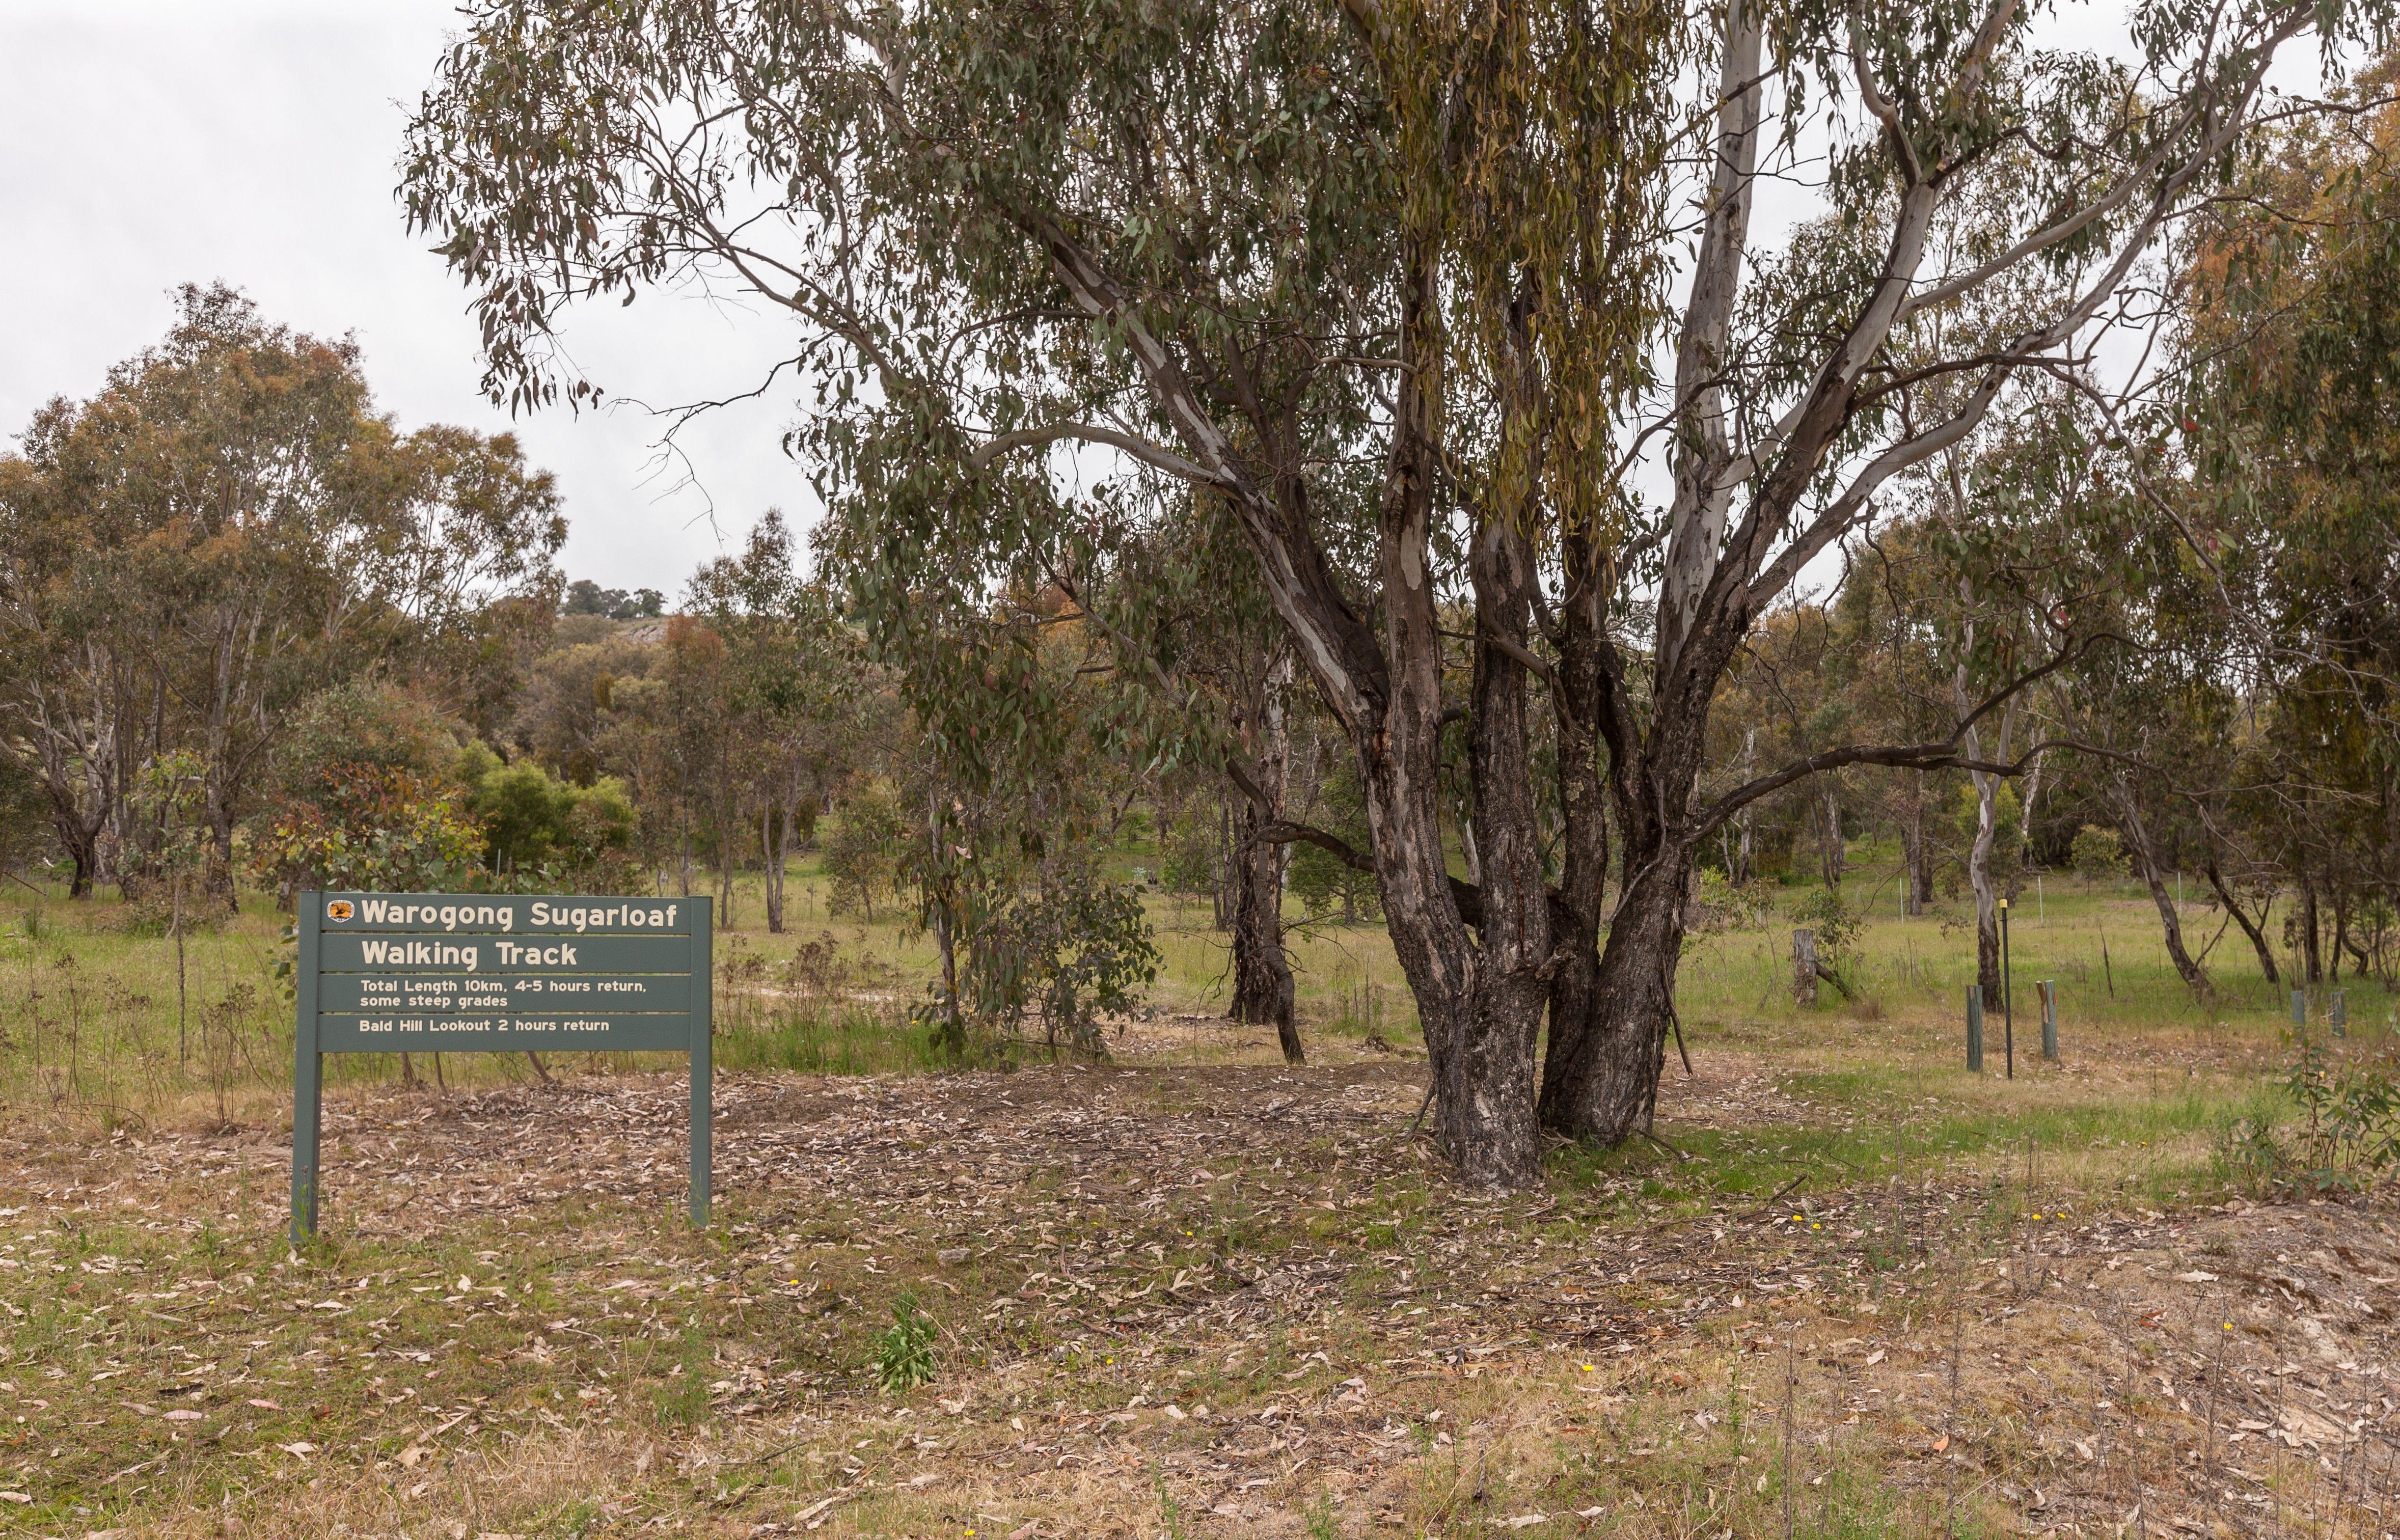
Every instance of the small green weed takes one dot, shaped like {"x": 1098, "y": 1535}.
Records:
{"x": 2347, "y": 1131}
{"x": 903, "y": 1355}
{"x": 1169, "y": 1513}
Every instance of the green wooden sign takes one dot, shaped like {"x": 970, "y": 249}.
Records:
{"x": 476, "y": 973}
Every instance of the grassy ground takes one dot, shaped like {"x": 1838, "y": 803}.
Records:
{"x": 1850, "y": 1290}
{"x": 102, "y": 1019}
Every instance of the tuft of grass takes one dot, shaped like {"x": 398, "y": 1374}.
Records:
{"x": 829, "y": 1038}
{"x": 682, "y": 1395}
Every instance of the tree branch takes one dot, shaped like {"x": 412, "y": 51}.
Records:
{"x": 1155, "y": 456}
{"x": 1933, "y": 755}
{"x": 1286, "y": 832}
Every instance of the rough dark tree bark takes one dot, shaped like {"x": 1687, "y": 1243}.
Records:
{"x": 1577, "y": 690}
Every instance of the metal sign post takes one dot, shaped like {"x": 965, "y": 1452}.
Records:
{"x": 482, "y": 973}
{"x": 2008, "y": 1002}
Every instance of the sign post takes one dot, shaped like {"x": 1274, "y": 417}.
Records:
{"x": 482, "y": 973}
{"x": 2008, "y": 1001}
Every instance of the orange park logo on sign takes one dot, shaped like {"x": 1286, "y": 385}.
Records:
{"x": 340, "y": 908}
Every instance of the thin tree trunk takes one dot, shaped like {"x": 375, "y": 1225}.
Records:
{"x": 2360, "y": 957}
{"x": 1747, "y": 848}
{"x": 1221, "y": 897}
{"x": 952, "y": 1036}
{"x": 1979, "y": 854}
{"x": 1917, "y": 880}
{"x": 2256, "y": 931}
{"x": 772, "y": 833}
{"x": 1979, "y": 877}
{"x": 2146, "y": 861}
{"x": 1262, "y": 982}
{"x": 725, "y": 827}
{"x": 2312, "y": 959}
{"x": 2024, "y": 809}
{"x": 954, "y": 1030}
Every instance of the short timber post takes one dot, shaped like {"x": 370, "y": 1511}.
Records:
{"x": 1975, "y": 1029}
{"x": 2050, "y": 1019}
{"x": 1804, "y": 967}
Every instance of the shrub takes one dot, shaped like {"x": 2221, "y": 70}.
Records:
{"x": 532, "y": 819}
{"x": 1071, "y": 949}
{"x": 1725, "y": 906}
{"x": 1825, "y": 912}
{"x": 2098, "y": 854}
{"x": 371, "y": 827}
{"x": 1189, "y": 848}
{"x": 862, "y": 855}
{"x": 2342, "y": 1132}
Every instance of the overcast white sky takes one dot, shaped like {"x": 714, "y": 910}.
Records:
{"x": 254, "y": 140}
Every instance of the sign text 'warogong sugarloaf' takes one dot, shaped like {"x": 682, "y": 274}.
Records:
{"x": 439, "y": 972}
{"x": 420, "y": 912}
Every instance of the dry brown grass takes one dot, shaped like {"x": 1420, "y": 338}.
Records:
{"x": 1346, "y": 1345}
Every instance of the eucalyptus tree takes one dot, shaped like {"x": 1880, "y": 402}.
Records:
{"x": 793, "y": 686}
{"x": 225, "y": 529}
{"x": 1169, "y": 599}
{"x": 1407, "y": 293}
{"x": 2293, "y": 348}
{"x": 1891, "y": 668}
{"x": 2021, "y": 541}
